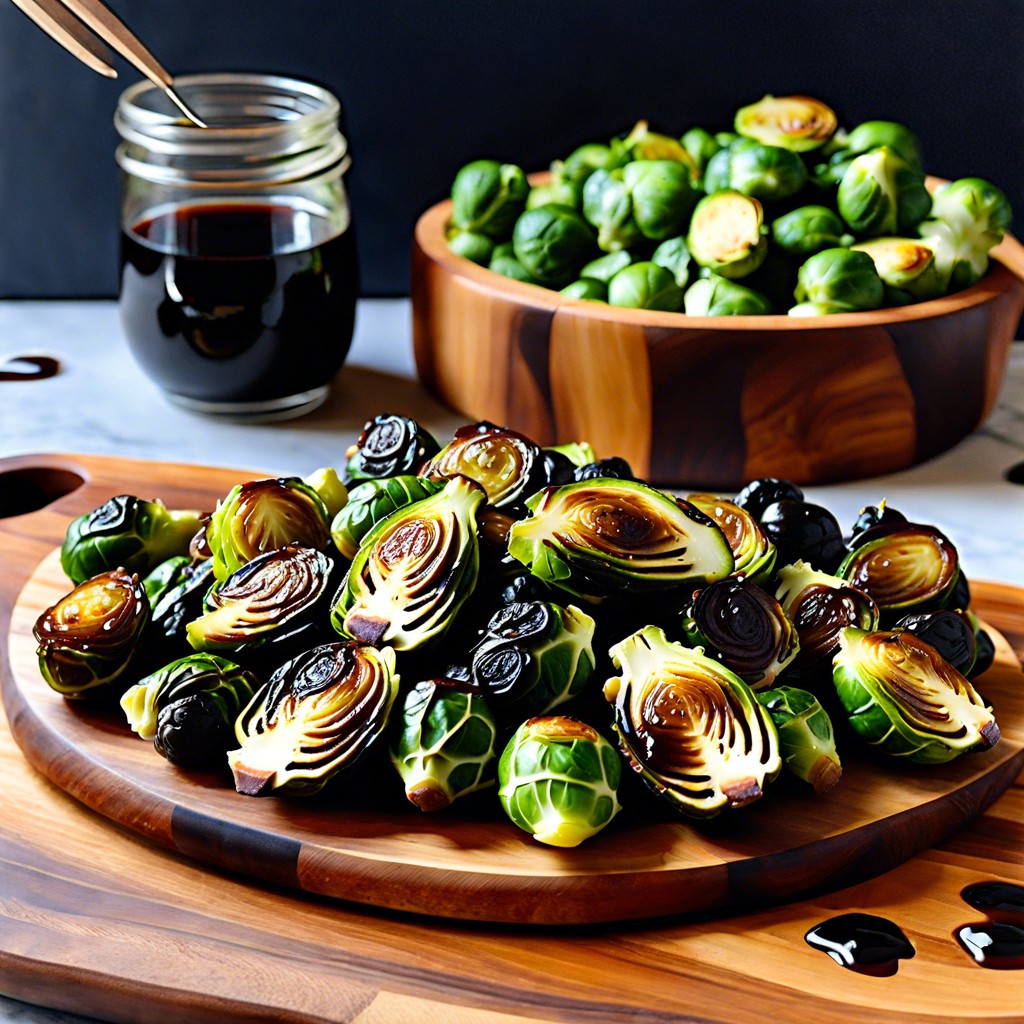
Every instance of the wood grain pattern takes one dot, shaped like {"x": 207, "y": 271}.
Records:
{"x": 94, "y": 920}
{"x": 713, "y": 402}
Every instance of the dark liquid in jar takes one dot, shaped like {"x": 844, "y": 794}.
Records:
{"x": 238, "y": 302}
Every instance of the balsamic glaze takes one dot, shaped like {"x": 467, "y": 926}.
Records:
{"x": 863, "y": 943}
{"x": 997, "y": 946}
{"x": 1001, "y": 901}
{"x": 1015, "y": 474}
{"x": 42, "y": 367}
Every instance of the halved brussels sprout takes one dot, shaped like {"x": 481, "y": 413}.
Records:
{"x": 333, "y": 492}
{"x": 90, "y": 636}
{"x": 264, "y": 515}
{"x": 446, "y": 747}
{"x": 316, "y": 715}
{"x": 551, "y": 243}
{"x": 903, "y": 697}
{"x": 805, "y": 736}
{"x": 727, "y": 234}
{"x": 809, "y": 229}
{"x": 389, "y": 445}
{"x": 126, "y": 532}
{"x": 596, "y": 537}
{"x": 874, "y": 134}
{"x": 645, "y": 285}
{"x": 717, "y": 296}
{"x": 767, "y": 173}
{"x": 691, "y": 728}
{"x": 796, "y": 123}
{"x": 579, "y": 453}
{"x": 488, "y": 196}
{"x": 753, "y": 552}
{"x": 905, "y": 264}
{"x": 880, "y": 194}
{"x": 744, "y": 628}
{"x": 413, "y": 570}
{"x": 643, "y": 144}
{"x": 559, "y": 779}
{"x": 840, "y": 276}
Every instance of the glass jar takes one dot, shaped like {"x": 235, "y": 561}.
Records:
{"x": 239, "y": 274}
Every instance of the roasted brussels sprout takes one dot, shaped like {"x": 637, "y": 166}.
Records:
{"x": 701, "y": 145}
{"x": 673, "y": 255}
{"x": 903, "y": 697}
{"x": 314, "y": 717}
{"x": 805, "y": 736}
{"x": 172, "y": 611}
{"x": 413, "y": 570}
{"x": 551, "y": 243}
{"x": 166, "y": 577}
{"x": 126, "y": 532}
{"x": 985, "y": 653}
{"x": 613, "y": 466}
{"x": 446, "y": 746}
{"x": 757, "y": 495}
{"x": 643, "y": 144}
{"x": 329, "y": 486}
{"x": 840, "y": 276}
{"x": 586, "y": 288}
{"x": 951, "y": 633}
{"x": 880, "y": 194}
{"x": 579, "y": 453}
{"x": 487, "y": 197}
{"x": 645, "y": 285}
{"x": 90, "y": 636}
{"x": 189, "y": 708}
{"x": 596, "y": 537}
{"x": 875, "y": 134}
{"x": 727, "y": 234}
{"x": 753, "y": 552}
{"x": 905, "y": 265}
{"x": 718, "y": 296}
{"x": 605, "y": 267}
{"x": 767, "y": 173}
{"x": 809, "y": 229}
{"x": 372, "y": 501}
{"x": 389, "y": 445}
{"x": 533, "y": 656}
{"x": 691, "y": 728}
{"x": 804, "y": 530}
{"x": 559, "y": 779}
{"x": 470, "y": 245}
{"x": 796, "y": 123}
{"x": 874, "y": 515}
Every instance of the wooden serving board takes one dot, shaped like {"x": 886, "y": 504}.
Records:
{"x": 96, "y": 920}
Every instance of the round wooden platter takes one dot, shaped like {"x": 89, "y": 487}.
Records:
{"x": 94, "y": 920}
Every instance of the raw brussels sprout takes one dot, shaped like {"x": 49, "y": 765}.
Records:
{"x": 446, "y": 746}
{"x": 903, "y": 697}
{"x": 809, "y": 229}
{"x": 586, "y": 288}
{"x": 596, "y": 537}
{"x": 643, "y": 144}
{"x": 126, "y": 532}
{"x": 413, "y": 570}
{"x": 314, "y": 717}
{"x": 533, "y": 656}
{"x": 905, "y": 264}
{"x": 880, "y": 194}
{"x": 743, "y": 627}
{"x": 753, "y": 552}
{"x": 950, "y": 632}
{"x": 805, "y": 736}
{"x": 551, "y": 243}
{"x": 559, "y": 780}
{"x": 701, "y": 145}
{"x": 804, "y": 530}
{"x": 795, "y": 123}
{"x": 828, "y": 174}
{"x": 645, "y": 285}
{"x": 487, "y": 197}
{"x": 727, "y": 234}
{"x": 767, "y": 173}
{"x": 91, "y": 635}
{"x": 329, "y": 486}
{"x": 605, "y": 267}
{"x": 508, "y": 266}
{"x": 470, "y": 245}
{"x": 584, "y": 160}
{"x": 673, "y": 255}
{"x": 691, "y": 727}
{"x": 261, "y": 516}
{"x": 718, "y": 296}
{"x": 875, "y": 134}
{"x": 559, "y": 191}
{"x": 189, "y": 708}
{"x": 373, "y": 500}
{"x": 389, "y": 445}
{"x": 840, "y": 276}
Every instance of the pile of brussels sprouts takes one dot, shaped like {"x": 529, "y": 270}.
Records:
{"x": 492, "y": 614}
{"x": 788, "y": 213}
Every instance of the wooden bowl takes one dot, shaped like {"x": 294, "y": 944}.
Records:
{"x": 714, "y": 401}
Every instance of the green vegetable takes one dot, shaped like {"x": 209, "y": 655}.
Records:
{"x": 795, "y": 123}
{"x": 584, "y": 160}
{"x": 471, "y": 245}
{"x": 487, "y": 197}
{"x": 645, "y": 285}
{"x": 387, "y": 446}
{"x": 906, "y": 265}
{"x": 586, "y": 288}
{"x": 701, "y": 145}
{"x": 880, "y": 194}
{"x": 551, "y": 243}
{"x": 508, "y": 266}
{"x": 764, "y": 172}
{"x": 809, "y": 229}
{"x": 753, "y": 552}
{"x": 805, "y": 736}
{"x": 727, "y": 234}
{"x": 558, "y": 780}
{"x": 166, "y": 577}
{"x": 557, "y": 191}
{"x": 717, "y": 296}
{"x": 579, "y": 453}
{"x": 605, "y": 267}
{"x": 674, "y": 256}
{"x": 840, "y": 276}
{"x": 328, "y": 485}
{"x": 875, "y": 134}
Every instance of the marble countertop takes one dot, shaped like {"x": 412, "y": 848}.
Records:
{"x": 101, "y": 403}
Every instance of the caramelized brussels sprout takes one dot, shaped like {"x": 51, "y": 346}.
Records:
{"x": 613, "y": 466}
{"x": 264, "y": 515}
{"x": 90, "y": 636}
{"x": 645, "y": 285}
{"x": 172, "y": 611}
{"x": 446, "y": 747}
{"x": 559, "y": 780}
{"x": 757, "y": 495}
{"x": 753, "y": 552}
{"x": 767, "y": 173}
{"x": 579, "y": 453}
{"x": 718, "y": 296}
{"x": 595, "y": 537}
{"x": 487, "y": 197}
{"x": 692, "y": 729}
{"x": 126, "y": 532}
{"x": 316, "y": 715}
{"x": 805, "y": 736}
{"x": 389, "y": 445}
{"x": 166, "y": 577}
{"x": 880, "y": 194}
{"x": 840, "y": 276}
{"x": 727, "y": 234}
{"x": 796, "y": 123}
{"x": 951, "y": 633}
{"x": 874, "y": 515}
{"x": 903, "y": 697}
{"x": 744, "y": 628}
{"x": 809, "y": 229}
{"x": 413, "y": 570}
{"x": 905, "y": 265}
{"x": 551, "y": 243}
{"x": 802, "y": 530}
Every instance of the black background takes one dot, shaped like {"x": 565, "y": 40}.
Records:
{"x": 428, "y": 85}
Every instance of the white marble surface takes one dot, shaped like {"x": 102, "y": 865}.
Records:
{"x": 101, "y": 403}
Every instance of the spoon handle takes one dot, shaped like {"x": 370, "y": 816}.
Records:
{"x": 63, "y": 27}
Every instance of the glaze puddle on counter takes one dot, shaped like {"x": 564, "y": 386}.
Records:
{"x": 37, "y": 368}
{"x": 998, "y": 943}
{"x": 863, "y": 943}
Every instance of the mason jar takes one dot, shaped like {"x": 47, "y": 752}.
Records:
{"x": 239, "y": 273}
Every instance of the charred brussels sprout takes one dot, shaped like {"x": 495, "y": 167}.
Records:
{"x": 559, "y": 780}
{"x": 809, "y": 229}
{"x": 413, "y": 570}
{"x": 753, "y": 552}
{"x": 487, "y": 197}
{"x": 880, "y": 194}
{"x": 551, "y": 243}
{"x": 805, "y": 736}
{"x": 533, "y": 656}
{"x": 727, "y": 234}
{"x": 390, "y": 445}
{"x": 90, "y": 636}
{"x": 840, "y": 276}
{"x": 796, "y": 123}
{"x": 718, "y": 296}
{"x": 446, "y": 747}
{"x": 691, "y": 728}
{"x": 645, "y": 285}
{"x": 744, "y": 628}
{"x": 903, "y": 697}
{"x": 874, "y": 515}
{"x": 596, "y": 537}
{"x": 907, "y": 268}
{"x": 173, "y": 610}
{"x": 767, "y": 173}
{"x": 951, "y": 633}
{"x": 875, "y": 134}
{"x": 579, "y": 453}
{"x": 757, "y": 495}
{"x": 613, "y": 466}
{"x": 316, "y": 715}
{"x": 167, "y": 576}
{"x": 126, "y": 532}
{"x": 263, "y": 515}
{"x": 804, "y": 530}
{"x": 372, "y": 501}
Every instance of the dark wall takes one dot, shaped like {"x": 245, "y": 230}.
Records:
{"x": 429, "y": 85}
